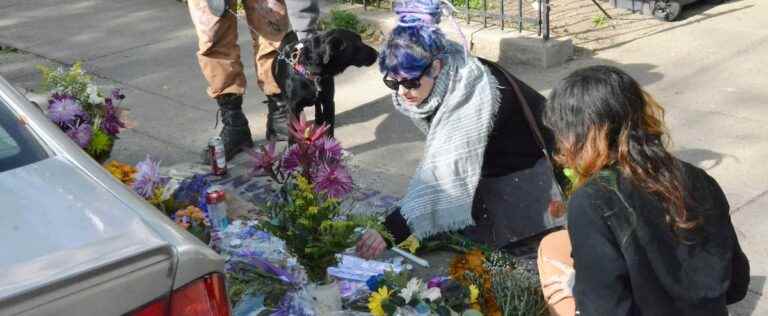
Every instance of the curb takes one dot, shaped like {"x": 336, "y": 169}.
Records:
{"x": 506, "y": 47}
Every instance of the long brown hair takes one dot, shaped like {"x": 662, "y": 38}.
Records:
{"x": 602, "y": 118}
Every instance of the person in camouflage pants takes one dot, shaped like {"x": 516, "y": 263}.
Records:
{"x": 218, "y": 54}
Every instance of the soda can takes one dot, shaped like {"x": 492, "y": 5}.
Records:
{"x": 215, "y": 200}
{"x": 217, "y": 156}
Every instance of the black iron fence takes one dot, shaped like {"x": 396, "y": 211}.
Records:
{"x": 506, "y": 14}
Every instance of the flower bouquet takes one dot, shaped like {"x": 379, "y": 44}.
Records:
{"x": 257, "y": 263}
{"x": 91, "y": 118}
{"x": 506, "y": 287}
{"x": 393, "y": 296}
{"x": 309, "y": 216}
{"x": 146, "y": 181}
{"x": 194, "y": 221}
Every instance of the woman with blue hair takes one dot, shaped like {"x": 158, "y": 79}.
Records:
{"x": 479, "y": 142}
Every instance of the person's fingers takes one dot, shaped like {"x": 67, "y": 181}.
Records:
{"x": 371, "y": 253}
{"x": 553, "y": 291}
{"x": 551, "y": 281}
{"x": 559, "y": 265}
{"x": 363, "y": 248}
{"x": 379, "y": 249}
{"x": 559, "y": 296}
{"x": 368, "y": 252}
{"x": 366, "y": 238}
{"x": 370, "y": 245}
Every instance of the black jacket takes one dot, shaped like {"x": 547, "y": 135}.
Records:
{"x": 629, "y": 262}
{"x": 512, "y": 145}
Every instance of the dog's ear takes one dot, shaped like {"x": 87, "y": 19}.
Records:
{"x": 334, "y": 45}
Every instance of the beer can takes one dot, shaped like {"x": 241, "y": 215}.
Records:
{"x": 217, "y": 156}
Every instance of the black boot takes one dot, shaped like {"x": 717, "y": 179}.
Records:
{"x": 235, "y": 134}
{"x": 277, "y": 119}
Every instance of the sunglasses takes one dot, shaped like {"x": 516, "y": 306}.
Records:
{"x": 409, "y": 84}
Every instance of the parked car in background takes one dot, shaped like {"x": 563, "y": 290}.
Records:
{"x": 75, "y": 241}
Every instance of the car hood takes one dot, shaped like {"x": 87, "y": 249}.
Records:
{"x": 57, "y": 222}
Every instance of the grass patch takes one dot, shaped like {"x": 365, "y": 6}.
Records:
{"x": 599, "y": 20}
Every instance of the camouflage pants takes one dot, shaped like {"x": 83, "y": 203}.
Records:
{"x": 219, "y": 53}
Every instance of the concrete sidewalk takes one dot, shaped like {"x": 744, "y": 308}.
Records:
{"x": 706, "y": 70}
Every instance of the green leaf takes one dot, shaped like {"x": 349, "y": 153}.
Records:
{"x": 397, "y": 300}
{"x": 443, "y": 311}
{"x": 388, "y": 306}
{"x": 101, "y": 143}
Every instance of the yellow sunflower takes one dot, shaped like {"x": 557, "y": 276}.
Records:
{"x": 378, "y": 298}
{"x": 474, "y": 293}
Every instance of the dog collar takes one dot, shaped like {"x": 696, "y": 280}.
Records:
{"x": 297, "y": 66}
{"x": 301, "y": 70}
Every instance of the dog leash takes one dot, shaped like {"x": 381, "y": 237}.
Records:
{"x": 293, "y": 60}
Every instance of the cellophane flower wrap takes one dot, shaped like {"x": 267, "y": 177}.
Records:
{"x": 313, "y": 182}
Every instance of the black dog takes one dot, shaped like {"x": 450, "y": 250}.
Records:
{"x": 306, "y": 78}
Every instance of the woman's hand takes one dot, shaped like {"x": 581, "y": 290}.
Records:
{"x": 371, "y": 245}
{"x": 559, "y": 287}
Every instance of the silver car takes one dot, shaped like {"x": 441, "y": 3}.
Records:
{"x": 75, "y": 241}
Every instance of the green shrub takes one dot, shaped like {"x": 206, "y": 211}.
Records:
{"x": 342, "y": 19}
{"x": 473, "y": 4}
{"x": 518, "y": 293}
{"x": 8, "y": 50}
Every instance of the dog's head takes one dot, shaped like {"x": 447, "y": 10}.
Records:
{"x": 330, "y": 53}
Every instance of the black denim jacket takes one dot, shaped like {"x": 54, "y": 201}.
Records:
{"x": 628, "y": 261}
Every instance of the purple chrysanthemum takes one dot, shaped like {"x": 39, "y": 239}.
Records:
{"x": 63, "y": 109}
{"x": 292, "y": 159}
{"x": 147, "y": 178}
{"x": 111, "y": 122}
{"x": 327, "y": 149}
{"x": 81, "y": 134}
{"x": 334, "y": 180}
{"x": 264, "y": 159}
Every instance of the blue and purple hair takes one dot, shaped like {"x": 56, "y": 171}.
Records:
{"x": 416, "y": 41}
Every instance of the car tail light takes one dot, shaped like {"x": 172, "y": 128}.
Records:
{"x": 206, "y": 296}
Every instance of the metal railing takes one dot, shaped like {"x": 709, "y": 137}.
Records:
{"x": 520, "y": 14}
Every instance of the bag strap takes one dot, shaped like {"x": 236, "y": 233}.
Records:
{"x": 528, "y": 116}
{"x": 524, "y": 105}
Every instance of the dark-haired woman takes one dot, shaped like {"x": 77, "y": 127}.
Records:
{"x": 647, "y": 234}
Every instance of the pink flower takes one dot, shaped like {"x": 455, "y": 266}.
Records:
{"x": 306, "y": 133}
{"x": 334, "y": 180}
{"x": 264, "y": 159}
